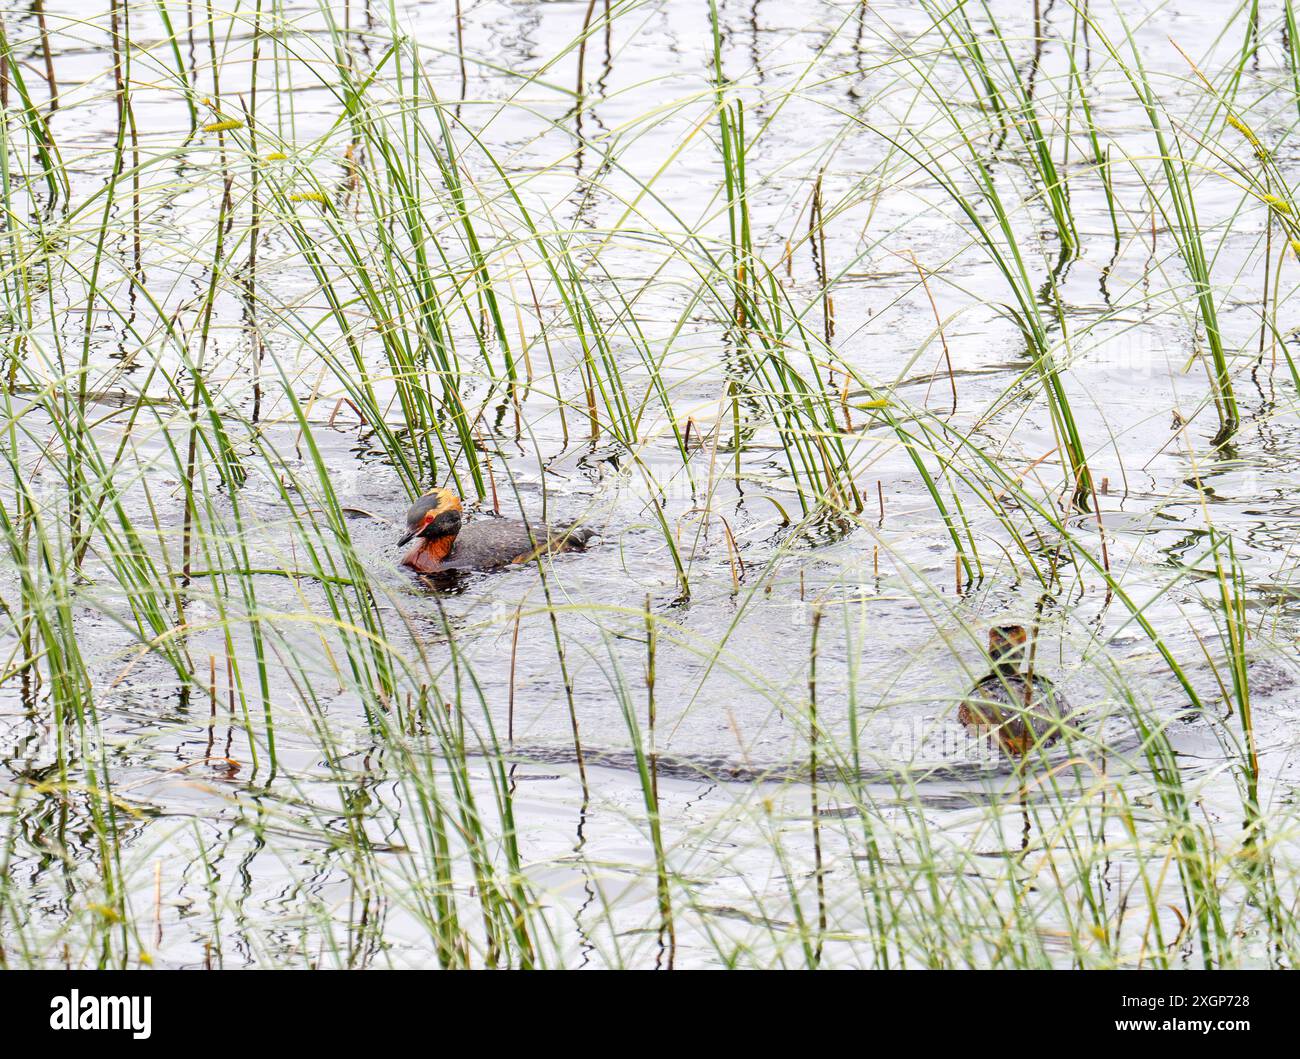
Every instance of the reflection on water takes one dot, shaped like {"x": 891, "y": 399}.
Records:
{"x": 327, "y": 852}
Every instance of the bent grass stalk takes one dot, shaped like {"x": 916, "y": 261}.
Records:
{"x": 392, "y": 288}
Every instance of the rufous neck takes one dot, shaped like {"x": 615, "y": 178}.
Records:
{"x": 427, "y": 555}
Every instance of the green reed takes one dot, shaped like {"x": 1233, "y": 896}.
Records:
{"x": 178, "y": 558}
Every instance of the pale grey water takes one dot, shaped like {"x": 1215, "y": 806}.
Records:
{"x": 898, "y": 645}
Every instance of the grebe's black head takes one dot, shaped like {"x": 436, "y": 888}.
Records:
{"x": 1007, "y": 644}
{"x": 433, "y": 516}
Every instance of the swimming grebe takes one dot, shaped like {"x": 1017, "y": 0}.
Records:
{"x": 443, "y": 541}
{"x": 1021, "y": 709}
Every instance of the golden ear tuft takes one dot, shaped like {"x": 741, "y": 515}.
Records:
{"x": 447, "y": 500}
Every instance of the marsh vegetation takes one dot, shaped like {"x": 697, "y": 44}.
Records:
{"x": 853, "y": 328}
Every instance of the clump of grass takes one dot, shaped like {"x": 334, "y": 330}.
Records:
{"x": 243, "y": 328}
